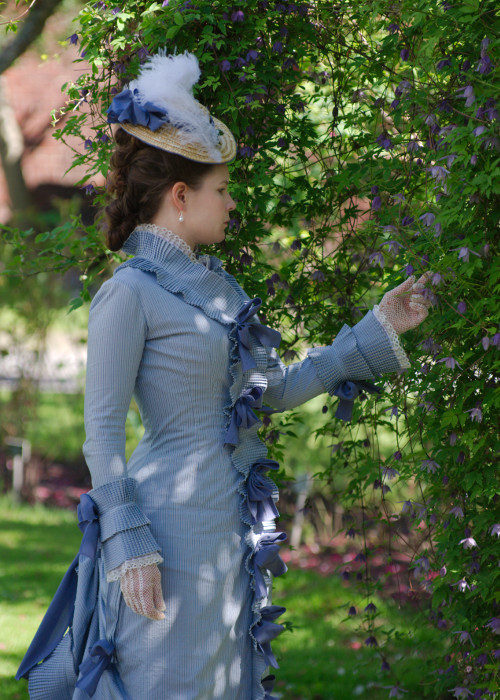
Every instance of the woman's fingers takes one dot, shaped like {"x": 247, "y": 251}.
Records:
{"x": 158, "y": 600}
{"x": 141, "y": 589}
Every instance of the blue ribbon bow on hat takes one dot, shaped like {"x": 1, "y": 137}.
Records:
{"x": 125, "y": 107}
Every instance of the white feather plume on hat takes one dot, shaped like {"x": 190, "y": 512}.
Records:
{"x": 167, "y": 81}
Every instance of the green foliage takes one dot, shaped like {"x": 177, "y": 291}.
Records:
{"x": 369, "y": 148}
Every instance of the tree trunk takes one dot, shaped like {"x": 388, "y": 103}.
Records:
{"x": 11, "y": 151}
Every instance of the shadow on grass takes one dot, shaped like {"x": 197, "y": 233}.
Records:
{"x": 324, "y": 657}
{"x": 34, "y": 558}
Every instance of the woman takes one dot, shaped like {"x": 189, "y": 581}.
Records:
{"x": 174, "y": 600}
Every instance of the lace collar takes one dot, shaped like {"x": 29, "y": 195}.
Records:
{"x": 171, "y": 237}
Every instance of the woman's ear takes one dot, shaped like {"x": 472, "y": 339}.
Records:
{"x": 178, "y": 193}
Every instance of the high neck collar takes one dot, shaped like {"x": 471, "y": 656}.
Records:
{"x": 169, "y": 236}
{"x": 162, "y": 249}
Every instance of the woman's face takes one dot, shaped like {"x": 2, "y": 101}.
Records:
{"x": 206, "y": 210}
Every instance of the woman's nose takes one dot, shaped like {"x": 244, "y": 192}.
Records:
{"x": 231, "y": 205}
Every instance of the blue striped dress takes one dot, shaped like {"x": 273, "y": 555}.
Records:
{"x": 180, "y": 337}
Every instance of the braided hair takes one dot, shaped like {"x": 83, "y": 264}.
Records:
{"x": 138, "y": 178}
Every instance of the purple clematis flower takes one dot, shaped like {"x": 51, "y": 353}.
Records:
{"x": 461, "y": 307}
{"x": 395, "y": 691}
{"x": 451, "y": 363}
{"x": 475, "y": 414}
{"x": 371, "y": 642}
{"x": 430, "y": 465}
{"x": 389, "y": 473}
{"x": 376, "y": 259}
{"x": 495, "y": 530}
{"x": 384, "y": 141}
{"x": 428, "y": 218}
{"x": 394, "y": 247}
{"x": 460, "y": 692}
{"x": 468, "y": 543}
{"x": 439, "y": 173}
{"x": 443, "y": 63}
{"x": 494, "y": 625}
{"x": 457, "y": 512}
{"x": 462, "y": 585}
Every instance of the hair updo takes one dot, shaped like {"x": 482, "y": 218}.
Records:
{"x": 138, "y": 177}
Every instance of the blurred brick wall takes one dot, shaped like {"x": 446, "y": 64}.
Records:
{"x": 33, "y": 88}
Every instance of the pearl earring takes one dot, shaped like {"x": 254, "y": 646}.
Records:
{"x": 181, "y": 217}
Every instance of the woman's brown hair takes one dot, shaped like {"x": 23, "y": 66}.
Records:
{"x": 138, "y": 178}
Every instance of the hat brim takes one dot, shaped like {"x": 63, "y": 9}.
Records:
{"x": 168, "y": 138}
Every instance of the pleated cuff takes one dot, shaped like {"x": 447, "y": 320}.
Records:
{"x": 361, "y": 353}
{"x": 375, "y": 345}
{"x": 127, "y": 545}
{"x": 124, "y": 529}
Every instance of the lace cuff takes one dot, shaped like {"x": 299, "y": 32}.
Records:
{"x": 393, "y": 337}
{"x": 134, "y": 563}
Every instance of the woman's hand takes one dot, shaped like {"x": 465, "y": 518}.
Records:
{"x": 141, "y": 589}
{"x": 406, "y": 306}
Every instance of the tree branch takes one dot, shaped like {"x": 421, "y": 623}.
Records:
{"x": 30, "y": 29}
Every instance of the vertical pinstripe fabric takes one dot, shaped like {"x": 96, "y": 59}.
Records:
{"x": 163, "y": 329}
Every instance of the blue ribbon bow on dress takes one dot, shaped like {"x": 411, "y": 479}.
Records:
{"x": 268, "y": 685}
{"x": 347, "y": 392}
{"x": 267, "y": 336}
{"x": 267, "y": 557}
{"x": 260, "y": 492}
{"x": 91, "y": 669}
{"x": 243, "y": 416}
{"x": 266, "y": 630}
{"x": 60, "y": 612}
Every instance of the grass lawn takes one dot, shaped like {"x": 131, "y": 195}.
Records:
{"x": 322, "y": 659}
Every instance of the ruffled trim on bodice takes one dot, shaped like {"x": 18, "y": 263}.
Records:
{"x": 210, "y": 288}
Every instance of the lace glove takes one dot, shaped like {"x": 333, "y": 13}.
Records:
{"x": 141, "y": 589}
{"x": 406, "y": 306}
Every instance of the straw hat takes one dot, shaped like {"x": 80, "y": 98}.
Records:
{"x": 159, "y": 109}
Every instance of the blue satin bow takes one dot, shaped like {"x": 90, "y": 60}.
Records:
{"x": 126, "y": 108}
{"x": 268, "y": 685}
{"x": 267, "y": 336}
{"x": 59, "y": 615}
{"x": 266, "y": 630}
{"x": 259, "y": 492}
{"x": 267, "y": 557}
{"x": 347, "y": 392}
{"x": 243, "y": 416}
{"x": 93, "y": 666}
